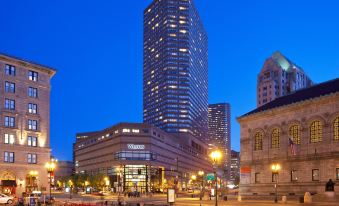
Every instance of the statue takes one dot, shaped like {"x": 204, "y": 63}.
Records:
{"x": 329, "y": 186}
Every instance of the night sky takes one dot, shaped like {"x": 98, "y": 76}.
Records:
{"x": 96, "y": 46}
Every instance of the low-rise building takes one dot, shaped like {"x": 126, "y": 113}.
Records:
{"x": 300, "y": 132}
{"x": 141, "y": 156}
{"x": 64, "y": 169}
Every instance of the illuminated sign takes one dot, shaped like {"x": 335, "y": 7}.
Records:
{"x": 135, "y": 146}
{"x": 170, "y": 195}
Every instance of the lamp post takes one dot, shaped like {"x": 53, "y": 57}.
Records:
{"x": 70, "y": 188}
{"x": 215, "y": 156}
{"x": 50, "y": 166}
{"x": 193, "y": 178}
{"x": 275, "y": 170}
{"x": 201, "y": 174}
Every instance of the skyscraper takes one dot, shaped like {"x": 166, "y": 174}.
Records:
{"x": 175, "y": 84}
{"x": 219, "y": 131}
{"x": 278, "y": 77}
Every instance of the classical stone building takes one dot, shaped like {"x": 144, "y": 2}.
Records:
{"x": 310, "y": 118}
{"x": 24, "y": 125}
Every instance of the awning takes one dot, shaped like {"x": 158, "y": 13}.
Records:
{"x": 8, "y": 183}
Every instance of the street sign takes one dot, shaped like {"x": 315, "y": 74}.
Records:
{"x": 210, "y": 176}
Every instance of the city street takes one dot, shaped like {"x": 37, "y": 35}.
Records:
{"x": 187, "y": 201}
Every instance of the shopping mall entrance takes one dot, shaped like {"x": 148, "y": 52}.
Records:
{"x": 136, "y": 178}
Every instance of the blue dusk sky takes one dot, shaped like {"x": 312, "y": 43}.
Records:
{"x": 96, "y": 46}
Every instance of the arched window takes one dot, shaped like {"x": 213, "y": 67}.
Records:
{"x": 295, "y": 134}
{"x": 336, "y": 129}
{"x": 258, "y": 142}
{"x": 316, "y": 132}
{"x": 275, "y": 138}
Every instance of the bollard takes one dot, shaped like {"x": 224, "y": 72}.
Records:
{"x": 307, "y": 197}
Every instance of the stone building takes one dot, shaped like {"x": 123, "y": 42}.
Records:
{"x": 278, "y": 77}
{"x": 24, "y": 125}
{"x": 310, "y": 118}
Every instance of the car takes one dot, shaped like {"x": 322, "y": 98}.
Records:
{"x": 4, "y": 199}
{"x": 190, "y": 190}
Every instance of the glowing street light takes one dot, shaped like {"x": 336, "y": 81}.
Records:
{"x": 50, "y": 166}
{"x": 216, "y": 156}
{"x": 275, "y": 170}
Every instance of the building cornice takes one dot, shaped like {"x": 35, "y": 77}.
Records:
{"x": 285, "y": 108}
{"x": 25, "y": 63}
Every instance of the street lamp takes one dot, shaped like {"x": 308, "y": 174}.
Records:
{"x": 215, "y": 156}
{"x": 275, "y": 170}
{"x": 50, "y": 166}
{"x": 201, "y": 174}
{"x": 193, "y": 178}
{"x": 70, "y": 188}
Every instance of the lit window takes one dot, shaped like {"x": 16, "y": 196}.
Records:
{"x": 182, "y": 22}
{"x": 32, "y": 141}
{"x": 33, "y": 92}
{"x": 336, "y": 129}
{"x": 183, "y": 50}
{"x": 258, "y": 141}
{"x": 32, "y": 124}
{"x": 316, "y": 132}
{"x": 173, "y": 35}
{"x": 9, "y": 121}
{"x": 183, "y": 31}
{"x": 275, "y": 139}
{"x": 135, "y": 130}
{"x": 295, "y": 134}
{"x": 9, "y": 139}
{"x": 32, "y": 108}
{"x": 182, "y": 8}
{"x": 126, "y": 130}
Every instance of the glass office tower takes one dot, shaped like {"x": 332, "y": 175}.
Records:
{"x": 175, "y": 84}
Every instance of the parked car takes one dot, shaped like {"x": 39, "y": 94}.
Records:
{"x": 4, "y": 199}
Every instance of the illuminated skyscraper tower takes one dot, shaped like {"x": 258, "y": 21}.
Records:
{"x": 175, "y": 82}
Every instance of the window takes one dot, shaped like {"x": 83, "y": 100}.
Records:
{"x": 316, "y": 132}
{"x": 10, "y": 70}
{"x": 32, "y": 108}
{"x": 9, "y": 121}
{"x": 337, "y": 173}
{"x": 31, "y": 158}
{"x": 9, "y": 139}
{"x": 315, "y": 175}
{"x": 32, "y": 124}
{"x": 336, "y": 129}
{"x": 258, "y": 141}
{"x": 9, "y": 157}
{"x": 9, "y": 87}
{"x": 257, "y": 177}
{"x": 33, "y": 92}
{"x": 275, "y": 138}
{"x": 32, "y": 141}
{"x": 295, "y": 134}
{"x": 294, "y": 176}
{"x": 9, "y": 104}
{"x": 274, "y": 177}
{"x": 33, "y": 76}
